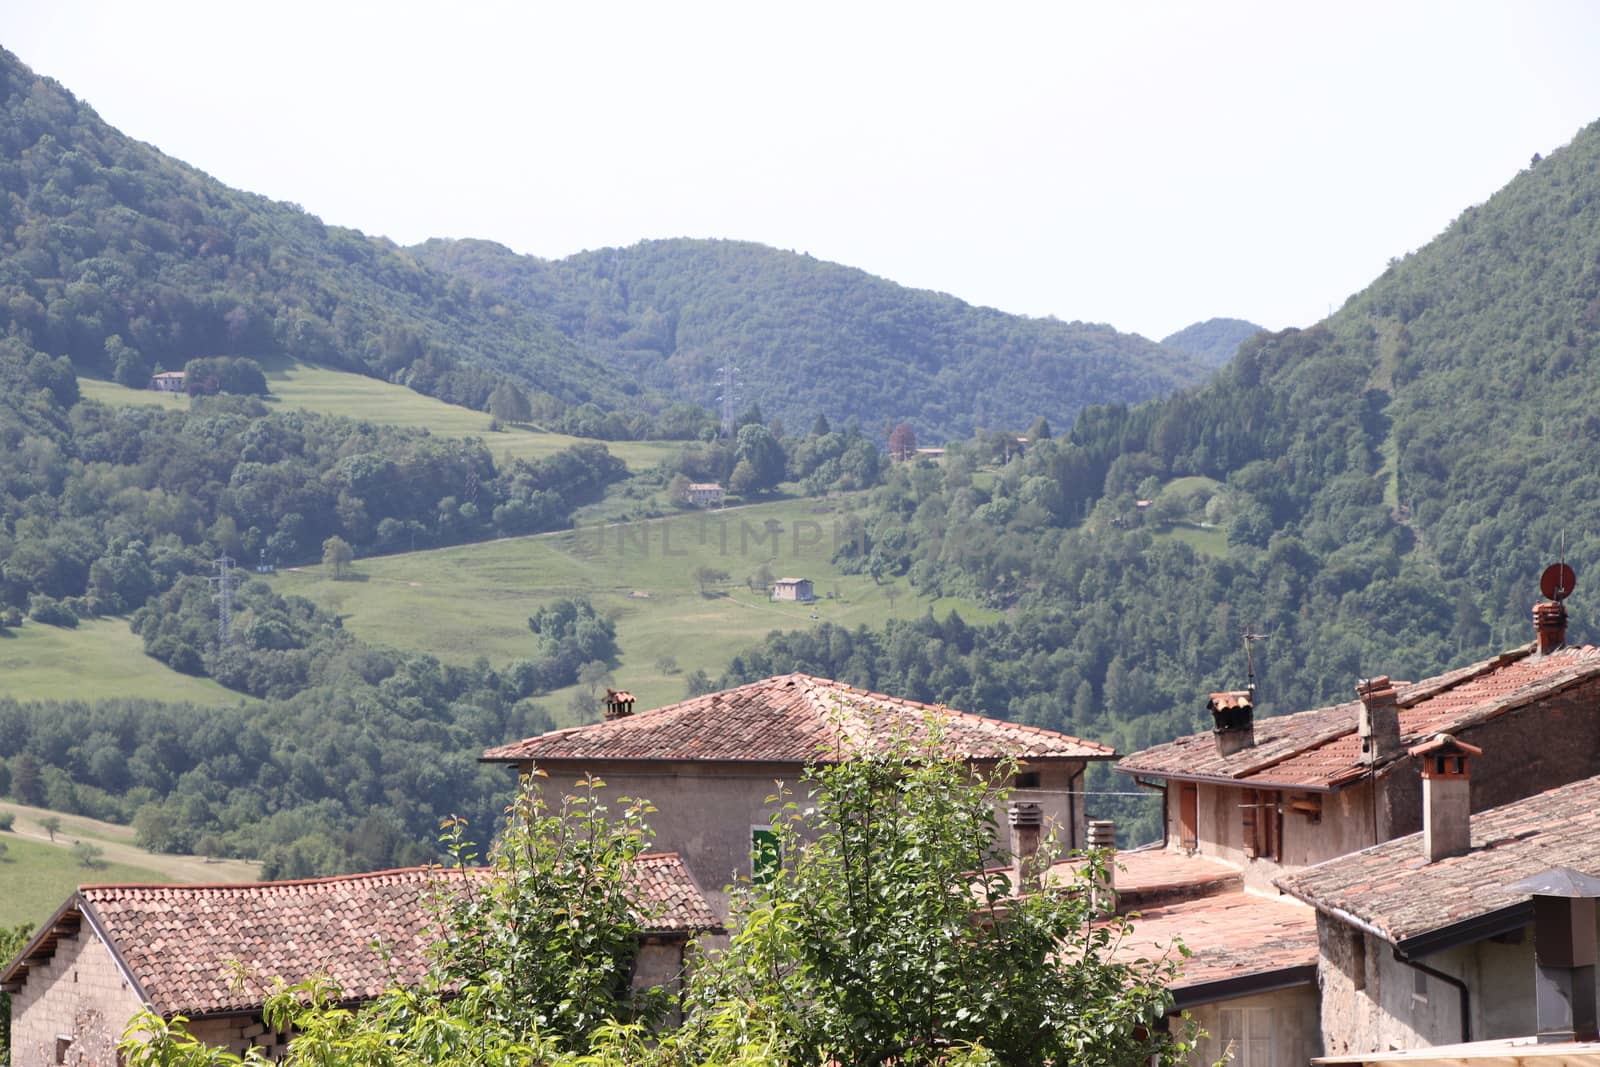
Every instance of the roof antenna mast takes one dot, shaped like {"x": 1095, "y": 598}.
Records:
{"x": 1250, "y": 638}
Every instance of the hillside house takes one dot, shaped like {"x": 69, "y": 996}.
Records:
{"x": 704, "y": 494}
{"x": 1270, "y": 796}
{"x": 793, "y": 589}
{"x": 711, "y": 765}
{"x": 1480, "y": 928}
{"x": 170, "y": 381}
{"x": 211, "y": 952}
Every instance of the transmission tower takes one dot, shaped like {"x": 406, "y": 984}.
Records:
{"x": 729, "y": 396}
{"x": 223, "y": 582}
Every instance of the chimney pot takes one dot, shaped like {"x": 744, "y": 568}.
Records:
{"x": 1027, "y": 821}
{"x": 618, "y": 704}
{"x": 1234, "y": 716}
{"x": 1550, "y": 626}
{"x": 1446, "y": 796}
{"x": 1379, "y": 725}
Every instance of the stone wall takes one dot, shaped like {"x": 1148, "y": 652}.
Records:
{"x": 80, "y": 997}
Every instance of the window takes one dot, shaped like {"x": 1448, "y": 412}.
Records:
{"x": 63, "y": 1046}
{"x": 1419, "y": 987}
{"x": 1028, "y": 780}
{"x": 765, "y": 855}
{"x": 1247, "y": 1033}
{"x": 1261, "y": 822}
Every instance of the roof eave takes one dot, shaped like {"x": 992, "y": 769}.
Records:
{"x": 1239, "y": 783}
{"x": 1186, "y": 997}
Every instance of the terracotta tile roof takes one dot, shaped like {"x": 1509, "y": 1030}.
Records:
{"x": 1395, "y": 891}
{"x": 793, "y": 718}
{"x": 1320, "y": 749}
{"x": 215, "y": 949}
{"x": 1233, "y": 936}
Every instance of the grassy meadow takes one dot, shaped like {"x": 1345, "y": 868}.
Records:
{"x": 335, "y": 392}
{"x": 98, "y": 659}
{"x": 474, "y": 600}
{"x": 38, "y": 874}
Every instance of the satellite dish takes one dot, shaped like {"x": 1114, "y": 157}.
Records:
{"x": 1557, "y": 581}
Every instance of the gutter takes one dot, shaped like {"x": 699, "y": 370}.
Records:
{"x": 1186, "y": 997}
{"x": 1406, "y": 950}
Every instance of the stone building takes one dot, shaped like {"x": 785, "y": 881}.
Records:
{"x": 1267, "y": 797}
{"x": 211, "y": 953}
{"x": 711, "y": 766}
{"x": 1438, "y": 938}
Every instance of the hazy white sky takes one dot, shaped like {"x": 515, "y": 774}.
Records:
{"x": 1142, "y": 164}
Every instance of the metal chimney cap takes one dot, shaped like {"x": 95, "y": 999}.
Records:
{"x": 1558, "y": 882}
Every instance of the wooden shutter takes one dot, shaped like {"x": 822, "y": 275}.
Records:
{"x": 1188, "y": 815}
{"x": 1248, "y": 818}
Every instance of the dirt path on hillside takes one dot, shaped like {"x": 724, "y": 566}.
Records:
{"x": 116, "y": 842}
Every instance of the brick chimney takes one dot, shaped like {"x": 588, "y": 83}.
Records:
{"x": 618, "y": 704}
{"x": 1234, "y": 716}
{"x": 1379, "y": 721}
{"x": 1563, "y": 954}
{"x": 1027, "y": 823}
{"x": 1550, "y": 626}
{"x": 1446, "y": 796}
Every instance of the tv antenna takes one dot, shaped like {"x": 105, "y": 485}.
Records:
{"x": 1250, "y": 637}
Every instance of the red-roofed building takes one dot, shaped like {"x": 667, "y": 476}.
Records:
{"x": 1273, "y": 794}
{"x": 212, "y": 952}
{"x": 710, "y": 765}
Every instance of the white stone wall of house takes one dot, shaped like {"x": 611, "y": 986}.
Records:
{"x": 79, "y": 998}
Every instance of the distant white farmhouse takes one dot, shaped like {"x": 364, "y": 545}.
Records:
{"x": 170, "y": 381}
{"x": 703, "y": 494}
{"x": 793, "y": 589}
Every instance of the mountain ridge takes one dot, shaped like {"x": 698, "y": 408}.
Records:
{"x": 852, "y": 345}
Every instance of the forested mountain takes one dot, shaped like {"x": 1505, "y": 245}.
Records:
{"x": 127, "y": 261}
{"x": 810, "y": 337}
{"x": 1376, "y": 494}
{"x": 1214, "y": 341}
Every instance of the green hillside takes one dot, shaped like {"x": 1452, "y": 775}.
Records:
{"x": 95, "y": 660}
{"x": 128, "y": 261}
{"x": 1214, "y": 341}
{"x": 327, "y": 391}
{"x": 40, "y": 870}
{"x": 1382, "y": 492}
{"x": 810, "y": 337}
{"x": 474, "y": 600}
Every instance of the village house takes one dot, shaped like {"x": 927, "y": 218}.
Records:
{"x": 1480, "y": 928}
{"x": 711, "y": 765}
{"x": 212, "y": 953}
{"x": 704, "y": 494}
{"x": 793, "y": 589}
{"x": 1268, "y": 797}
{"x": 170, "y": 381}
{"x": 1276, "y": 794}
